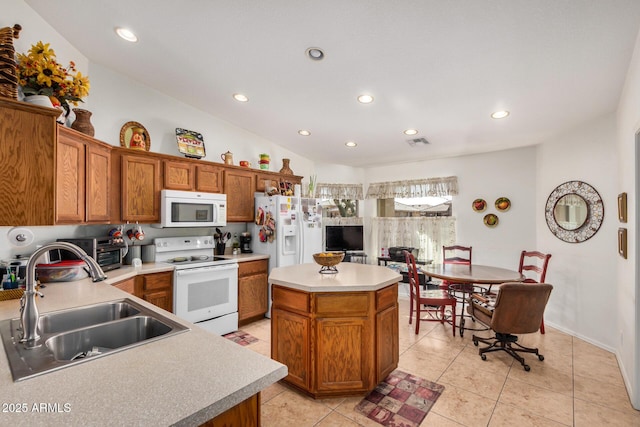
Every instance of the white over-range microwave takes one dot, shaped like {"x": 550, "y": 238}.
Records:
{"x": 192, "y": 209}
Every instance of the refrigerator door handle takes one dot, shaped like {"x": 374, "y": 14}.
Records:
{"x": 300, "y": 235}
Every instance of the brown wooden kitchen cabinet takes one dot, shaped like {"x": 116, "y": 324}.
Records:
{"x": 335, "y": 343}
{"x": 82, "y": 178}
{"x": 187, "y": 176}
{"x": 28, "y": 158}
{"x": 128, "y": 285}
{"x": 244, "y": 414}
{"x": 157, "y": 288}
{"x": 140, "y": 188}
{"x": 51, "y": 174}
{"x": 178, "y": 175}
{"x": 252, "y": 290}
{"x": 239, "y": 186}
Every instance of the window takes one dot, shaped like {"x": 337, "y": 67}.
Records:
{"x": 339, "y": 208}
{"x": 415, "y": 207}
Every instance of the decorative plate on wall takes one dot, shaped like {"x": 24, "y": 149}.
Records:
{"x": 133, "y": 135}
{"x": 479, "y": 205}
{"x": 491, "y": 220}
{"x": 503, "y": 204}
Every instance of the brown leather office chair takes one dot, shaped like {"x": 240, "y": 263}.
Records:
{"x": 431, "y": 302}
{"x": 517, "y": 309}
{"x": 535, "y": 271}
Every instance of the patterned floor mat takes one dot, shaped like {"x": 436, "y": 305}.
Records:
{"x": 240, "y": 337}
{"x": 400, "y": 400}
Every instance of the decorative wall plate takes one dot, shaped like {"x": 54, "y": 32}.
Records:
{"x": 479, "y": 205}
{"x": 594, "y": 217}
{"x": 133, "y": 135}
{"x": 491, "y": 220}
{"x": 503, "y": 204}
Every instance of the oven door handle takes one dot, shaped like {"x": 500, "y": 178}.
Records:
{"x": 199, "y": 270}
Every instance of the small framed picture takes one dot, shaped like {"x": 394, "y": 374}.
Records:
{"x": 622, "y": 242}
{"x": 622, "y": 207}
{"x": 133, "y": 135}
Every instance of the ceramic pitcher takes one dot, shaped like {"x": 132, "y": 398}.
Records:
{"x": 227, "y": 158}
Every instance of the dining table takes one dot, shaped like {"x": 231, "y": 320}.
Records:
{"x": 474, "y": 275}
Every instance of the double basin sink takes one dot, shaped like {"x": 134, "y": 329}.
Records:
{"x": 76, "y": 335}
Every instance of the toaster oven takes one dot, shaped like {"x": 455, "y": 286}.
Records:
{"x": 107, "y": 251}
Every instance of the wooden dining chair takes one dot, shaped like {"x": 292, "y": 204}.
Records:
{"x": 533, "y": 265}
{"x": 432, "y": 302}
{"x": 455, "y": 254}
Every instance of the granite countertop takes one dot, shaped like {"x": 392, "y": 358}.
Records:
{"x": 350, "y": 277}
{"x": 185, "y": 379}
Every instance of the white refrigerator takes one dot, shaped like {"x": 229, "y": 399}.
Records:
{"x": 288, "y": 229}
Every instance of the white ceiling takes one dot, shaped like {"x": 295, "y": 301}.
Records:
{"x": 439, "y": 66}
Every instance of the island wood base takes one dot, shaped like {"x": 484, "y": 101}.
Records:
{"x": 335, "y": 343}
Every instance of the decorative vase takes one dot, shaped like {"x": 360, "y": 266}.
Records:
{"x": 83, "y": 122}
{"x": 286, "y": 170}
{"x": 41, "y": 100}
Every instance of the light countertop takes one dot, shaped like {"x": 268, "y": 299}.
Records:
{"x": 245, "y": 257}
{"x": 184, "y": 379}
{"x": 350, "y": 277}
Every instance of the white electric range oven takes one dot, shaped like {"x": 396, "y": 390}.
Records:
{"x": 205, "y": 287}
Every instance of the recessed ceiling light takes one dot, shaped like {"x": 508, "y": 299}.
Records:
{"x": 315, "y": 53}
{"x": 500, "y": 114}
{"x": 240, "y": 97}
{"x": 126, "y": 34}
{"x": 411, "y": 131}
{"x": 304, "y": 132}
{"x": 350, "y": 144}
{"x": 365, "y": 99}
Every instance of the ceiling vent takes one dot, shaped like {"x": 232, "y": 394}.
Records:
{"x": 417, "y": 141}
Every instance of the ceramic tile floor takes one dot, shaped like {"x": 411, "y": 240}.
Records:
{"x": 577, "y": 384}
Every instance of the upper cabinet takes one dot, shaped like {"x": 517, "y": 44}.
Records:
{"x": 51, "y": 174}
{"x": 239, "y": 186}
{"x": 140, "y": 188}
{"x": 82, "y": 178}
{"x": 188, "y": 175}
{"x": 55, "y": 175}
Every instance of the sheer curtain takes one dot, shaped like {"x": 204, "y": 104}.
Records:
{"x": 428, "y": 234}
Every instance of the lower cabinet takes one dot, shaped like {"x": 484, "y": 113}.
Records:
{"x": 252, "y": 290}
{"x": 335, "y": 343}
{"x": 157, "y": 288}
{"x": 244, "y": 414}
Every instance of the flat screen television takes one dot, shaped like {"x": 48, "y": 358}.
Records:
{"x": 344, "y": 238}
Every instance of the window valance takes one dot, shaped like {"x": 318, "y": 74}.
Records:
{"x": 435, "y": 187}
{"x": 340, "y": 191}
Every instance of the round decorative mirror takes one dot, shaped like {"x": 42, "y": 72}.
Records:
{"x": 574, "y": 211}
{"x": 570, "y": 212}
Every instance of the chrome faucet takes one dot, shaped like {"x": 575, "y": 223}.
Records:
{"x": 28, "y": 310}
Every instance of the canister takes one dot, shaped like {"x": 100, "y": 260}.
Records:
{"x": 149, "y": 253}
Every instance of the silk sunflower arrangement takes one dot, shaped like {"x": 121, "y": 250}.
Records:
{"x": 39, "y": 73}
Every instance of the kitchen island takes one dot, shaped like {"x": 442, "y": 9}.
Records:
{"x": 337, "y": 333}
{"x": 185, "y": 379}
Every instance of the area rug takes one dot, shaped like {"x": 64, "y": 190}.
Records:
{"x": 400, "y": 400}
{"x": 240, "y": 337}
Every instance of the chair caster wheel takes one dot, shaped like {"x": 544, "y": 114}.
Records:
{"x": 483, "y": 356}
{"x": 527, "y": 368}
{"x": 475, "y": 343}
{"x": 540, "y": 357}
